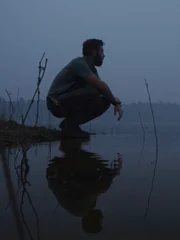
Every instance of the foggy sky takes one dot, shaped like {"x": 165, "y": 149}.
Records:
{"x": 142, "y": 40}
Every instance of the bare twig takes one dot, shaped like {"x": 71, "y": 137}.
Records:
{"x": 11, "y": 105}
{"x": 18, "y": 177}
{"x": 24, "y": 170}
{"x": 40, "y": 77}
{"x": 37, "y": 112}
{"x": 157, "y": 150}
{"x": 21, "y": 115}
{"x": 16, "y": 104}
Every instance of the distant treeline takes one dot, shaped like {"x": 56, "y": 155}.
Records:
{"x": 164, "y": 113}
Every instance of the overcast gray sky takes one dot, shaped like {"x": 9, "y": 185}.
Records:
{"x": 142, "y": 41}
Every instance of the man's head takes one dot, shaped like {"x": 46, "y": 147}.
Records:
{"x": 94, "y": 48}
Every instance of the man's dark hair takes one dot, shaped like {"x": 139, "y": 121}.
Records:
{"x": 90, "y": 45}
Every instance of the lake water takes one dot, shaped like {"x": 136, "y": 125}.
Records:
{"x": 101, "y": 189}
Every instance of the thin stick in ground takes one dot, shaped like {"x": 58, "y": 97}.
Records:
{"x": 40, "y": 77}
{"x": 157, "y": 149}
{"x": 24, "y": 171}
{"x": 18, "y": 106}
{"x": 11, "y": 104}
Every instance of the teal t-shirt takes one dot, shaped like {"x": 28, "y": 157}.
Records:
{"x": 71, "y": 76}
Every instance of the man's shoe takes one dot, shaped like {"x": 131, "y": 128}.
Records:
{"x": 71, "y": 130}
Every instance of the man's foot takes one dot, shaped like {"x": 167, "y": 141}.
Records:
{"x": 71, "y": 130}
{"x": 72, "y": 144}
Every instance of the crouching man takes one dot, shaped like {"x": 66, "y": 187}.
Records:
{"x": 77, "y": 93}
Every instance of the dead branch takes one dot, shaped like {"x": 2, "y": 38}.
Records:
{"x": 11, "y": 104}
{"x": 40, "y": 77}
{"x": 37, "y": 112}
{"x": 157, "y": 150}
{"x": 16, "y": 103}
{"x": 24, "y": 171}
{"x": 18, "y": 177}
{"x": 41, "y": 73}
{"x": 22, "y": 174}
{"x": 18, "y": 106}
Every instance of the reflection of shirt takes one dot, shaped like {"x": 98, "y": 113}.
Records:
{"x": 71, "y": 76}
{"x": 80, "y": 177}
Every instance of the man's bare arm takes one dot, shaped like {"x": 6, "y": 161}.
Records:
{"x": 81, "y": 69}
{"x": 102, "y": 87}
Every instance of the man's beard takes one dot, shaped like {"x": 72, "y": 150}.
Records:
{"x": 98, "y": 61}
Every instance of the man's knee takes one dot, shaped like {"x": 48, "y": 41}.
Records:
{"x": 101, "y": 105}
{"x": 54, "y": 108}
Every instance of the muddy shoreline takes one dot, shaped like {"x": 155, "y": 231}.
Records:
{"x": 14, "y": 134}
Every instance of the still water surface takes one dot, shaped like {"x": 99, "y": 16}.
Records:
{"x": 93, "y": 190}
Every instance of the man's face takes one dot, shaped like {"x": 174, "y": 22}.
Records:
{"x": 99, "y": 57}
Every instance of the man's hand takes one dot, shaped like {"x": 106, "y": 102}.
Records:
{"x": 118, "y": 110}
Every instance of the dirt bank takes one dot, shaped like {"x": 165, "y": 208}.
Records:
{"x": 12, "y": 133}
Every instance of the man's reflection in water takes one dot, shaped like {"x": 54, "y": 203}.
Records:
{"x": 78, "y": 178}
